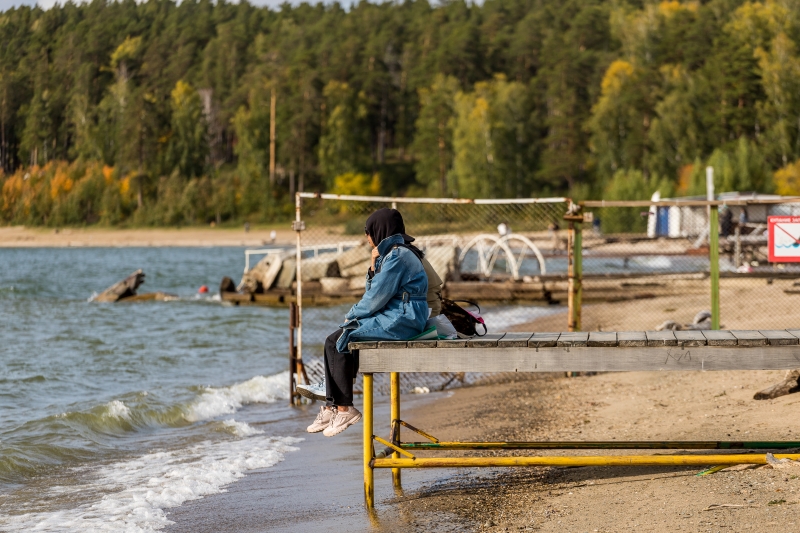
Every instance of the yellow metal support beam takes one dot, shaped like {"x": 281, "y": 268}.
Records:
{"x": 394, "y": 379}
{"x": 602, "y": 445}
{"x": 419, "y": 431}
{"x": 397, "y": 451}
{"x": 369, "y": 478}
{"x": 610, "y": 460}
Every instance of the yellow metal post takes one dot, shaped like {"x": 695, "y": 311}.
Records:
{"x": 369, "y": 478}
{"x": 583, "y": 460}
{"x": 395, "y": 396}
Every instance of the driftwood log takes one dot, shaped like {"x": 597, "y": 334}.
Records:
{"x": 789, "y": 385}
{"x": 122, "y": 289}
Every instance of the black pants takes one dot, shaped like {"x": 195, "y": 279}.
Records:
{"x": 340, "y": 371}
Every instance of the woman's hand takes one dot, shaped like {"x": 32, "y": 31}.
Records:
{"x": 375, "y": 255}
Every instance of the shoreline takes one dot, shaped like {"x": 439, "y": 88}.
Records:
{"x": 23, "y": 237}
{"x": 320, "y": 487}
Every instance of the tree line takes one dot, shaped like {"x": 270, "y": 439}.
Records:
{"x": 195, "y": 112}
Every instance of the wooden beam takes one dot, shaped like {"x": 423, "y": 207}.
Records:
{"x": 514, "y": 340}
{"x": 690, "y": 338}
{"x": 573, "y": 338}
{"x": 661, "y": 338}
{"x": 543, "y": 340}
{"x": 779, "y": 337}
{"x": 602, "y": 338}
{"x": 749, "y": 338}
{"x": 720, "y": 338}
{"x": 631, "y": 338}
{"x": 487, "y": 341}
{"x": 577, "y": 359}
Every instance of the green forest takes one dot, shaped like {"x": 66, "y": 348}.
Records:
{"x": 165, "y": 113}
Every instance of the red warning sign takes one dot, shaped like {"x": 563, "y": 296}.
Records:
{"x": 784, "y": 239}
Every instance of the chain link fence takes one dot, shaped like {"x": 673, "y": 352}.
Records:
{"x": 507, "y": 256}
{"x": 646, "y": 266}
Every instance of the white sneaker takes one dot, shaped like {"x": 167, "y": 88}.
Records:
{"x": 322, "y": 421}
{"x": 312, "y": 392}
{"x": 341, "y": 421}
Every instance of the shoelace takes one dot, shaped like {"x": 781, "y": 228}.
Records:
{"x": 321, "y": 415}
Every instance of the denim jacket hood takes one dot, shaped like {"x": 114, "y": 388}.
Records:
{"x": 394, "y": 305}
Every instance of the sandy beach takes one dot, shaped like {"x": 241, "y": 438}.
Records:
{"x": 320, "y": 487}
{"x": 20, "y": 236}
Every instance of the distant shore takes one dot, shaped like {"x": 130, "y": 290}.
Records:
{"x": 23, "y": 237}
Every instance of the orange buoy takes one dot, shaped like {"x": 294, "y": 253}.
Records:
{"x": 203, "y": 289}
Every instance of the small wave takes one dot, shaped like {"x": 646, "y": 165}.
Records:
{"x": 240, "y": 429}
{"x": 117, "y": 409}
{"x": 214, "y": 402}
{"x": 155, "y": 482}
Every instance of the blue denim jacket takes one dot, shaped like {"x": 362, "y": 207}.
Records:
{"x": 394, "y": 306}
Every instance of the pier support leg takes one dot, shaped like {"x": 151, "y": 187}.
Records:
{"x": 395, "y": 396}
{"x": 369, "y": 480}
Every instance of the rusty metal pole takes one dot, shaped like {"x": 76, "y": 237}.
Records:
{"x": 292, "y": 351}
{"x": 298, "y": 226}
{"x": 571, "y": 277}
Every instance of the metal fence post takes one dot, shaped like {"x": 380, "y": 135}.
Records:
{"x": 713, "y": 257}
{"x": 574, "y": 267}
{"x": 577, "y": 282}
{"x": 298, "y": 227}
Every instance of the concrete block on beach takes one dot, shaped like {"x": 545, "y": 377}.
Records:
{"x": 444, "y": 261}
{"x": 354, "y": 257}
{"x": 264, "y": 274}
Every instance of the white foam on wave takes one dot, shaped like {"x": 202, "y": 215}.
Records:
{"x": 117, "y": 409}
{"x": 241, "y": 429}
{"x": 214, "y": 402}
{"x": 155, "y": 482}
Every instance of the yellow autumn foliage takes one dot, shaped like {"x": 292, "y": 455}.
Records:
{"x": 61, "y": 183}
{"x": 616, "y": 75}
{"x": 670, "y": 8}
{"x": 354, "y": 183}
{"x": 787, "y": 179}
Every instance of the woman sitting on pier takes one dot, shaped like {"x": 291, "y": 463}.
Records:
{"x": 394, "y": 307}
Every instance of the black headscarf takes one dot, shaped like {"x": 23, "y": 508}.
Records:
{"x": 386, "y": 222}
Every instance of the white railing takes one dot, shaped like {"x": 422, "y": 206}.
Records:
{"x": 339, "y": 247}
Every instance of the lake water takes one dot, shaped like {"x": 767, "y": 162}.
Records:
{"x": 112, "y": 413}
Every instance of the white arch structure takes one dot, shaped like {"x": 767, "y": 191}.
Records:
{"x": 489, "y": 246}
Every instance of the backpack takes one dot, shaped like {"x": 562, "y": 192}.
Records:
{"x": 465, "y": 322}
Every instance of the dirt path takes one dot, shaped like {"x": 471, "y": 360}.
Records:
{"x": 631, "y": 406}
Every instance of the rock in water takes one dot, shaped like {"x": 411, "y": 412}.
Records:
{"x": 122, "y": 289}
{"x": 227, "y": 285}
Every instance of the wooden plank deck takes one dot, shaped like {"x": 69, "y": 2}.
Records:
{"x": 588, "y": 351}
{"x": 690, "y": 338}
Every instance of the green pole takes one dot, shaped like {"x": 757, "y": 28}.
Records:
{"x": 713, "y": 257}
{"x": 578, "y": 273}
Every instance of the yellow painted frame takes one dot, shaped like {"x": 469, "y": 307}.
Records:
{"x": 390, "y": 457}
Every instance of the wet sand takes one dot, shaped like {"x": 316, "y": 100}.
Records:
{"x": 316, "y": 489}
{"x": 320, "y": 487}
